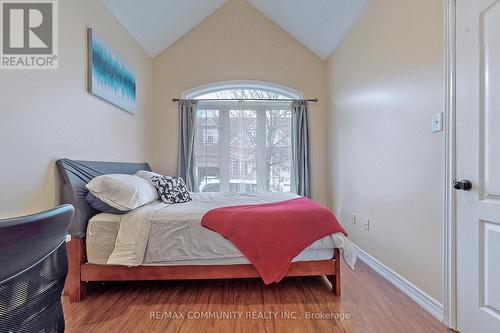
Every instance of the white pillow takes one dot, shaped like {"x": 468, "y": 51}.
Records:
{"x": 123, "y": 192}
{"x": 148, "y": 175}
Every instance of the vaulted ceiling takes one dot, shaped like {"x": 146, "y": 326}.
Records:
{"x": 318, "y": 24}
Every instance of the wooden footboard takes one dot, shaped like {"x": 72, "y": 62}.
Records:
{"x": 79, "y": 271}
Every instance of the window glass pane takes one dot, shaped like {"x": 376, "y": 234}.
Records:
{"x": 207, "y": 151}
{"x": 242, "y": 149}
{"x": 242, "y": 93}
{"x": 278, "y": 148}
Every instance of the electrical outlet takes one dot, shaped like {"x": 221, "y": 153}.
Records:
{"x": 353, "y": 218}
{"x": 339, "y": 213}
{"x": 437, "y": 122}
{"x": 366, "y": 224}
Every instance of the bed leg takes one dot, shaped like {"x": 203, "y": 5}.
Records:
{"x": 76, "y": 293}
{"x": 74, "y": 286}
{"x": 335, "y": 279}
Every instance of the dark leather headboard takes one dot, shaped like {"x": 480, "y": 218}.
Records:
{"x": 75, "y": 175}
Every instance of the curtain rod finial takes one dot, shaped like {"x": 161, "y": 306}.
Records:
{"x": 175, "y": 100}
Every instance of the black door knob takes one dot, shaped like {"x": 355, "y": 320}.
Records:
{"x": 464, "y": 185}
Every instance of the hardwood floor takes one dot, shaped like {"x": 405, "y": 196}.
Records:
{"x": 368, "y": 304}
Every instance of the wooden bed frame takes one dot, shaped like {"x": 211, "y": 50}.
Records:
{"x": 80, "y": 271}
{"x": 76, "y": 174}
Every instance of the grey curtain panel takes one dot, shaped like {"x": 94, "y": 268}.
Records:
{"x": 187, "y": 123}
{"x": 301, "y": 180}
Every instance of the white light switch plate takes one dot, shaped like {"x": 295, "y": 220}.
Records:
{"x": 437, "y": 122}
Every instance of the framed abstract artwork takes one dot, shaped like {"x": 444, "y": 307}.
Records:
{"x": 110, "y": 76}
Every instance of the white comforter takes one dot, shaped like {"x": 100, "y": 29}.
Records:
{"x": 148, "y": 228}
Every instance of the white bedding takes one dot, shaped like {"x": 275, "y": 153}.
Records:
{"x": 161, "y": 234}
{"x": 103, "y": 228}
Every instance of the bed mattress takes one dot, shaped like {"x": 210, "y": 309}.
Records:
{"x": 173, "y": 240}
{"x": 103, "y": 228}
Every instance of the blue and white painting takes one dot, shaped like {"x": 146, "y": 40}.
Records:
{"x": 110, "y": 76}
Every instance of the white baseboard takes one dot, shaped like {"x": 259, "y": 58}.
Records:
{"x": 428, "y": 303}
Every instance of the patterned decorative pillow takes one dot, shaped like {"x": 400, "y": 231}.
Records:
{"x": 171, "y": 189}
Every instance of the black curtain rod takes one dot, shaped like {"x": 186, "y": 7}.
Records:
{"x": 315, "y": 100}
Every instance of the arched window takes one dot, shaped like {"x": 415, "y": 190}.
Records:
{"x": 243, "y": 137}
{"x": 242, "y": 89}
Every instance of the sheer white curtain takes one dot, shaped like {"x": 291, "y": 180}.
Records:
{"x": 243, "y": 146}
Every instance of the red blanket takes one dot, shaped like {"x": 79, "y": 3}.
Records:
{"x": 271, "y": 235}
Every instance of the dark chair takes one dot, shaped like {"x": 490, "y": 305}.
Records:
{"x": 33, "y": 267}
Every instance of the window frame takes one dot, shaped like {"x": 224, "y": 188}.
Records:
{"x": 225, "y": 161}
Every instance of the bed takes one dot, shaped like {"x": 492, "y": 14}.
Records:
{"x": 177, "y": 246}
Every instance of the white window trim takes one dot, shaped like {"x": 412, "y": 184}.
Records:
{"x": 219, "y": 85}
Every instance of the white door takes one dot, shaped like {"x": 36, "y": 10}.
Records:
{"x": 478, "y": 160}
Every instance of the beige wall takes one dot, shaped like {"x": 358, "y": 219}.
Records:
{"x": 385, "y": 81}
{"x": 47, "y": 114}
{"x": 237, "y": 43}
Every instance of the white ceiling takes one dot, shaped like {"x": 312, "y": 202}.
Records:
{"x": 157, "y": 24}
{"x": 318, "y": 24}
